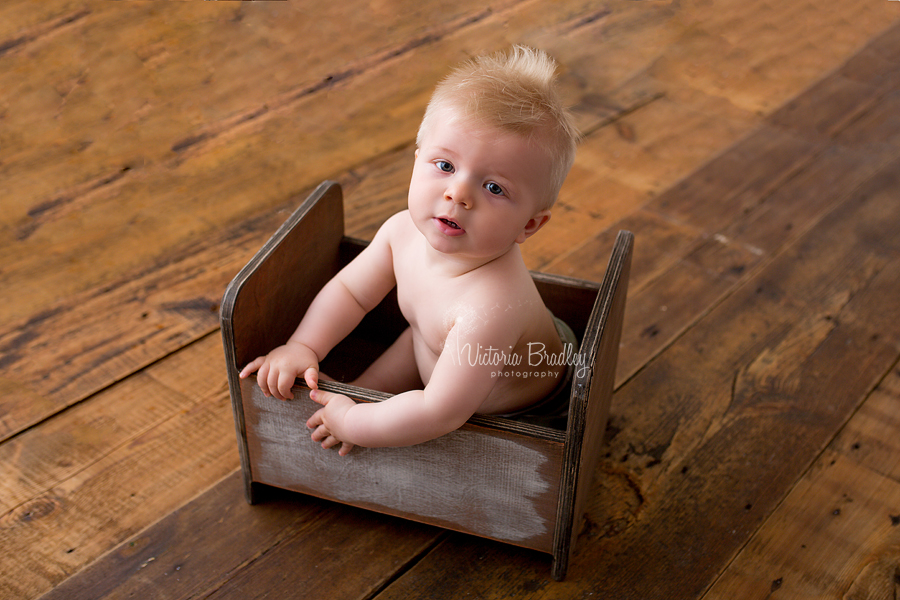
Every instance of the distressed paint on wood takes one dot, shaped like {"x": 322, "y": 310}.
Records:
{"x": 500, "y": 485}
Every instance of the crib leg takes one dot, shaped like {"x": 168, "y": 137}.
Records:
{"x": 254, "y": 492}
{"x": 559, "y": 567}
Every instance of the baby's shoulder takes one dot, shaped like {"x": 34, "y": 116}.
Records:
{"x": 507, "y": 282}
{"x": 394, "y": 231}
{"x": 398, "y": 223}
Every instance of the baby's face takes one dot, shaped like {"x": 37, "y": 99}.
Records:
{"x": 474, "y": 189}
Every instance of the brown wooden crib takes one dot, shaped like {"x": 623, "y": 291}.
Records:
{"x": 517, "y": 482}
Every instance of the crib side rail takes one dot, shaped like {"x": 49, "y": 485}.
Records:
{"x": 485, "y": 478}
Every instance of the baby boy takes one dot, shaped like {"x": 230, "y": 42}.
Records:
{"x": 492, "y": 152}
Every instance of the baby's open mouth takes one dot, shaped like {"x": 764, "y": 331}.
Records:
{"x": 450, "y": 223}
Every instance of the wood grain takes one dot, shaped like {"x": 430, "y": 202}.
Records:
{"x": 161, "y": 176}
{"x": 68, "y": 286}
{"x": 837, "y": 534}
{"x": 104, "y": 286}
{"x": 155, "y": 139}
{"x": 211, "y": 549}
{"x": 135, "y": 452}
{"x": 54, "y": 259}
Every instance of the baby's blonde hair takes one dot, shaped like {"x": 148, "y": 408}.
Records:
{"x": 516, "y": 93}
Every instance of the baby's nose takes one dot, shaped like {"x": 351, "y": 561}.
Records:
{"x": 460, "y": 194}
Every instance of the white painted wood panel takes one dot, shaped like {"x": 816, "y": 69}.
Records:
{"x": 500, "y": 485}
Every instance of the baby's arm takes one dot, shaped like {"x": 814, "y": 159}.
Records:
{"x": 457, "y": 388}
{"x": 335, "y": 311}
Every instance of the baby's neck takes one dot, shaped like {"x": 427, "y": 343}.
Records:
{"x": 454, "y": 265}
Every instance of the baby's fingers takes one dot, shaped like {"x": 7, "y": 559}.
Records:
{"x": 262, "y": 379}
{"x": 311, "y": 376}
{"x": 330, "y": 442}
{"x": 320, "y": 396}
{"x": 253, "y": 366}
{"x": 315, "y": 420}
{"x": 285, "y": 382}
{"x": 321, "y": 434}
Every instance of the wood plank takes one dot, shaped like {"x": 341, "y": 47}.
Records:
{"x": 760, "y": 56}
{"x": 714, "y": 266}
{"x": 788, "y": 366}
{"x": 877, "y": 62}
{"x": 85, "y": 481}
{"x": 99, "y": 177}
{"x": 54, "y": 263}
{"x": 149, "y": 149}
{"x": 114, "y": 331}
{"x": 39, "y": 215}
{"x": 685, "y": 270}
{"x": 23, "y": 22}
{"x": 722, "y": 192}
{"x": 719, "y": 423}
{"x": 141, "y": 291}
{"x": 836, "y": 534}
{"x": 211, "y": 548}
{"x": 20, "y": 16}
{"x": 619, "y": 168}
{"x": 869, "y": 438}
{"x": 738, "y": 179}
{"x": 145, "y": 59}
{"x": 759, "y": 214}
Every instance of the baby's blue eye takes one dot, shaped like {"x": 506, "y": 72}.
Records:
{"x": 494, "y": 189}
{"x": 444, "y": 166}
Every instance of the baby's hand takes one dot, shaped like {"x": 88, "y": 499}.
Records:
{"x": 280, "y": 368}
{"x": 327, "y": 422}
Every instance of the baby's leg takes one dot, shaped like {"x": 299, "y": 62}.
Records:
{"x": 395, "y": 371}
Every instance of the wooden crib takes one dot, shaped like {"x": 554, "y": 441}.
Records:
{"x": 517, "y": 482}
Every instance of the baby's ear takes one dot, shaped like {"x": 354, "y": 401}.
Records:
{"x": 533, "y": 225}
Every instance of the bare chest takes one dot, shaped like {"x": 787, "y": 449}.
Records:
{"x": 429, "y": 303}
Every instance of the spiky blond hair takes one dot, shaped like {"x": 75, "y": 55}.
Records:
{"x": 516, "y": 93}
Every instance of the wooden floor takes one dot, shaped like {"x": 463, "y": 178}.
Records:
{"x": 148, "y": 149}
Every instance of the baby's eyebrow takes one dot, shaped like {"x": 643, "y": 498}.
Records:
{"x": 443, "y": 150}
